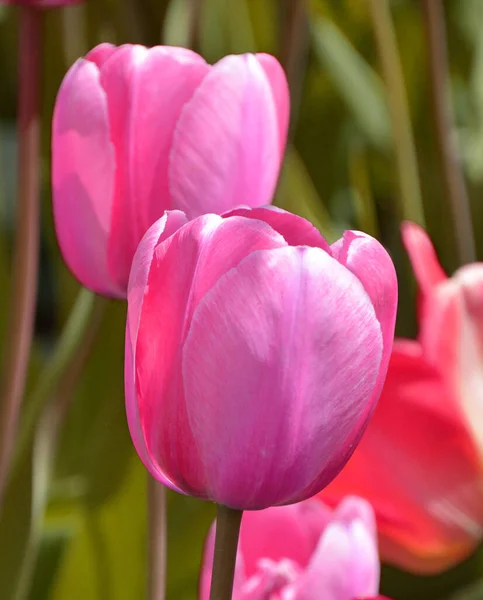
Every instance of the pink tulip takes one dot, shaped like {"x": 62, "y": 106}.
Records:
{"x": 138, "y": 131}
{"x": 420, "y": 461}
{"x": 41, "y": 3}
{"x": 255, "y": 353}
{"x": 304, "y": 551}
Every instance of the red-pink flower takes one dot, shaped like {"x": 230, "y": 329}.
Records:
{"x": 137, "y": 131}
{"x": 419, "y": 463}
{"x": 41, "y": 3}
{"x": 255, "y": 353}
{"x": 305, "y": 551}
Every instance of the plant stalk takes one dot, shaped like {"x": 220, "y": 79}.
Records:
{"x": 157, "y": 521}
{"x": 294, "y": 51}
{"x": 228, "y": 521}
{"x": 405, "y": 149}
{"x": 194, "y": 29}
{"x": 26, "y": 251}
{"x": 452, "y": 173}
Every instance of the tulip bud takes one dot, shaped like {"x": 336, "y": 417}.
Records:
{"x": 255, "y": 353}
{"x": 138, "y": 131}
{"x": 305, "y": 551}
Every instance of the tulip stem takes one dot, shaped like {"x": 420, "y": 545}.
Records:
{"x": 74, "y": 342}
{"x": 195, "y": 19}
{"x": 404, "y": 145}
{"x": 228, "y": 521}
{"x": 452, "y": 174}
{"x": 157, "y": 540}
{"x": 26, "y": 251}
{"x": 294, "y": 51}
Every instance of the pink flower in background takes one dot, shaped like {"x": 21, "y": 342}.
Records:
{"x": 305, "y": 551}
{"x": 420, "y": 461}
{"x": 137, "y": 131}
{"x": 255, "y": 353}
{"x": 41, "y": 3}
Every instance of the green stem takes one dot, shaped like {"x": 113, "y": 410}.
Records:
{"x": 157, "y": 540}
{"x": 81, "y": 325}
{"x": 452, "y": 174}
{"x": 46, "y": 416}
{"x": 228, "y": 521}
{"x": 195, "y": 18}
{"x": 294, "y": 51}
{"x": 406, "y": 158}
{"x": 26, "y": 252}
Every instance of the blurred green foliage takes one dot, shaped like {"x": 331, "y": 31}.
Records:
{"x": 84, "y": 537}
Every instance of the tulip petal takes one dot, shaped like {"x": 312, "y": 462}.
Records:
{"x": 83, "y": 167}
{"x": 146, "y": 90}
{"x": 423, "y": 257}
{"x": 372, "y": 265}
{"x": 269, "y": 317}
{"x": 101, "y": 53}
{"x": 282, "y": 532}
{"x": 296, "y": 230}
{"x": 452, "y": 337}
{"x": 161, "y": 230}
{"x": 281, "y": 94}
{"x": 226, "y": 149}
{"x": 209, "y": 240}
{"x": 419, "y": 469}
{"x": 345, "y": 564}
{"x": 162, "y": 83}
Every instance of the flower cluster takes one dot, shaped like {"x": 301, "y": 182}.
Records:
{"x": 255, "y": 351}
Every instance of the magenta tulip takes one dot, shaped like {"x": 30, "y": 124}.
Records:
{"x": 303, "y": 552}
{"x": 138, "y": 131}
{"x": 255, "y": 353}
{"x": 41, "y": 3}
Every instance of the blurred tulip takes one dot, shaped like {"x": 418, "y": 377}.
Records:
{"x": 304, "y": 551}
{"x": 41, "y": 3}
{"x": 137, "y": 131}
{"x": 419, "y": 463}
{"x": 255, "y": 353}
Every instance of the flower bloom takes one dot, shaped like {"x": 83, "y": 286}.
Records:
{"x": 304, "y": 551}
{"x": 41, "y": 3}
{"x": 419, "y": 462}
{"x": 138, "y": 131}
{"x": 255, "y": 353}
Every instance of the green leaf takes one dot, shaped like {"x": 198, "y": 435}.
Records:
{"x": 106, "y": 559}
{"x": 357, "y": 83}
{"x": 297, "y": 193}
{"x": 16, "y": 522}
{"x": 189, "y": 520}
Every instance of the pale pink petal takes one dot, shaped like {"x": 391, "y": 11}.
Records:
{"x": 281, "y": 94}
{"x": 226, "y": 149}
{"x": 83, "y": 167}
{"x": 423, "y": 257}
{"x": 289, "y": 332}
{"x": 161, "y": 230}
{"x": 296, "y": 230}
{"x": 208, "y": 246}
{"x": 346, "y": 563}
